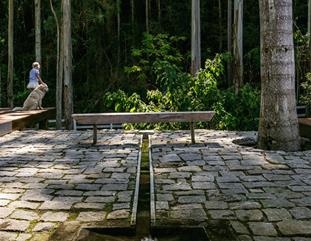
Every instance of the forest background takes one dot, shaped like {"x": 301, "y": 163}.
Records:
{"x": 128, "y": 59}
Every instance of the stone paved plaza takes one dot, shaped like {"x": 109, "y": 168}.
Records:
{"x": 48, "y": 178}
{"x": 51, "y": 177}
{"x": 262, "y": 196}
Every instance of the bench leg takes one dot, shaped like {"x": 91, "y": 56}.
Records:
{"x": 192, "y": 132}
{"x": 94, "y": 134}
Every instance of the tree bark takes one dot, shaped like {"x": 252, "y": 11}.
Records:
{"x": 118, "y": 29}
{"x": 38, "y": 30}
{"x": 59, "y": 73}
{"x": 159, "y": 11}
{"x": 229, "y": 42}
{"x": 0, "y": 88}
{"x": 278, "y": 124}
{"x": 147, "y": 15}
{"x": 132, "y": 13}
{"x": 67, "y": 52}
{"x": 10, "y": 55}
{"x": 238, "y": 45}
{"x": 309, "y": 32}
{"x": 220, "y": 25}
{"x": 195, "y": 37}
{"x": 309, "y": 17}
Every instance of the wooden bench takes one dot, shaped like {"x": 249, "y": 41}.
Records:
{"x": 18, "y": 120}
{"x": 95, "y": 119}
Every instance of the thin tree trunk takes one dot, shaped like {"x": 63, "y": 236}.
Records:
{"x": 132, "y": 13}
{"x": 0, "y": 88}
{"x": 10, "y": 55}
{"x": 220, "y": 25}
{"x": 59, "y": 73}
{"x": 278, "y": 124}
{"x": 67, "y": 52}
{"x": 238, "y": 45}
{"x": 309, "y": 32}
{"x": 133, "y": 21}
{"x": 195, "y": 37}
{"x": 229, "y": 42}
{"x": 159, "y": 11}
{"x": 147, "y": 15}
{"x": 309, "y": 17}
{"x": 38, "y": 30}
{"x": 119, "y": 27}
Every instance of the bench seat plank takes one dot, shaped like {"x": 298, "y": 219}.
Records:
{"x": 142, "y": 117}
{"x": 18, "y": 120}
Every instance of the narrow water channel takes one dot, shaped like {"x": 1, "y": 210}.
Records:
{"x": 143, "y": 210}
{"x": 143, "y": 230}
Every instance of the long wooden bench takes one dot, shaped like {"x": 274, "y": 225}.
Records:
{"x": 95, "y": 119}
{"x": 18, "y": 120}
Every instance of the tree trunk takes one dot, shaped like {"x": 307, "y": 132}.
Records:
{"x": 309, "y": 17}
{"x": 38, "y": 29}
{"x": 278, "y": 124}
{"x": 59, "y": 73}
{"x": 147, "y": 16}
{"x": 118, "y": 29}
{"x": 132, "y": 13}
{"x": 238, "y": 45}
{"x": 229, "y": 42}
{"x": 67, "y": 52}
{"x": 10, "y": 55}
{"x": 0, "y": 88}
{"x": 195, "y": 37}
{"x": 309, "y": 32}
{"x": 220, "y": 25}
{"x": 159, "y": 11}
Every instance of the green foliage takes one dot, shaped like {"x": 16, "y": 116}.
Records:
{"x": 204, "y": 91}
{"x": 20, "y": 97}
{"x": 305, "y": 97}
{"x": 176, "y": 90}
{"x": 242, "y": 108}
{"x": 302, "y": 58}
{"x": 157, "y": 62}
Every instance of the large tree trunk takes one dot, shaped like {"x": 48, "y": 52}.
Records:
{"x": 67, "y": 52}
{"x": 59, "y": 73}
{"x": 238, "y": 45}
{"x": 229, "y": 42}
{"x": 38, "y": 29}
{"x": 278, "y": 125}
{"x": 10, "y": 55}
{"x": 195, "y": 37}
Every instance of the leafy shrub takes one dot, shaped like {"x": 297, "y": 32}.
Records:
{"x": 175, "y": 90}
{"x": 305, "y": 97}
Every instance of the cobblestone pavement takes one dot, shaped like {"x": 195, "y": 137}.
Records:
{"x": 261, "y": 195}
{"x": 50, "y": 177}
